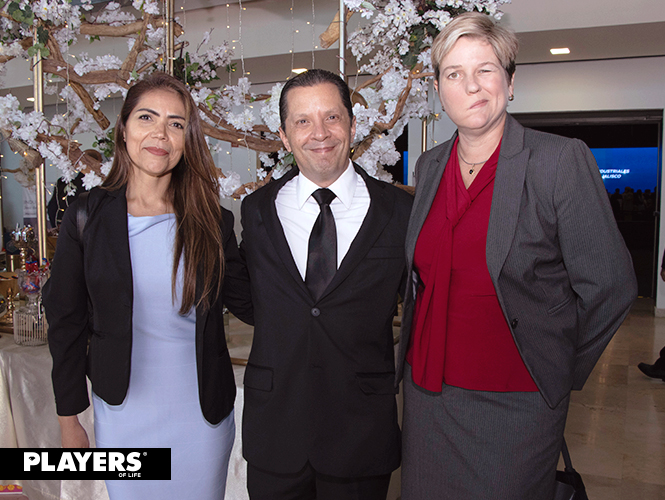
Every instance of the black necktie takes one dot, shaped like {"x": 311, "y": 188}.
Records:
{"x": 322, "y": 250}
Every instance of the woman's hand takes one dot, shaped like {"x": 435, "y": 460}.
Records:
{"x": 72, "y": 433}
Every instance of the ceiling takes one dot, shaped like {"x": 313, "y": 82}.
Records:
{"x": 595, "y": 42}
{"x": 600, "y": 42}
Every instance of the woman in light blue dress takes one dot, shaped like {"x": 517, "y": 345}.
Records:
{"x": 155, "y": 260}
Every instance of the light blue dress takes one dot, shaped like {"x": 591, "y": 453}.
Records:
{"x": 162, "y": 406}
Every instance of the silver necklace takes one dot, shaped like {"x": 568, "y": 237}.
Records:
{"x": 473, "y": 165}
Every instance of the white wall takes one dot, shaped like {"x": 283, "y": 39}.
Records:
{"x": 543, "y": 15}
{"x": 619, "y": 84}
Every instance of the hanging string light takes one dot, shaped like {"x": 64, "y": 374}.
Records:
{"x": 293, "y": 38}
{"x": 242, "y": 64}
{"x": 313, "y": 35}
{"x": 242, "y": 54}
{"x": 166, "y": 34}
{"x": 228, "y": 32}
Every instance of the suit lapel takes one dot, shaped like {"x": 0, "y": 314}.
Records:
{"x": 507, "y": 197}
{"x": 429, "y": 178}
{"x": 380, "y": 211}
{"x": 268, "y": 211}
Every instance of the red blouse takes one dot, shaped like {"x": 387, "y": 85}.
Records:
{"x": 460, "y": 334}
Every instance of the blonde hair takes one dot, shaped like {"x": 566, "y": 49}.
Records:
{"x": 477, "y": 25}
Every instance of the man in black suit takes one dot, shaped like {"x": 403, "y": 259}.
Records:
{"x": 324, "y": 246}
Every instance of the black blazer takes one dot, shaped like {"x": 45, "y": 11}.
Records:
{"x": 99, "y": 271}
{"x": 319, "y": 385}
{"x": 560, "y": 268}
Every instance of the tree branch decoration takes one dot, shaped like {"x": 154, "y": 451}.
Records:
{"x": 391, "y": 46}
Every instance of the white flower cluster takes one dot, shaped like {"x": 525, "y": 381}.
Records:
{"x": 53, "y": 152}
{"x": 106, "y": 167}
{"x": 365, "y": 8}
{"x": 114, "y": 16}
{"x": 14, "y": 49}
{"x": 439, "y": 18}
{"x": 270, "y": 109}
{"x": 155, "y": 36}
{"x": 106, "y": 90}
{"x": 147, "y": 6}
{"x": 266, "y": 160}
{"x": 386, "y": 31}
{"x": 201, "y": 94}
{"x": 7, "y": 24}
{"x": 148, "y": 55}
{"x": 32, "y": 124}
{"x": 243, "y": 120}
{"x": 86, "y": 65}
{"x": 381, "y": 152}
{"x": 10, "y": 115}
{"x": 218, "y": 56}
{"x": 76, "y": 112}
{"x": 229, "y": 184}
{"x": 91, "y": 180}
{"x": 284, "y": 162}
{"x": 236, "y": 104}
{"x": 59, "y": 13}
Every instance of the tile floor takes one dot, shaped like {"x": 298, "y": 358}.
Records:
{"x": 616, "y": 424}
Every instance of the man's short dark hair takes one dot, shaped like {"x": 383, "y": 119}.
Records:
{"x": 309, "y": 79}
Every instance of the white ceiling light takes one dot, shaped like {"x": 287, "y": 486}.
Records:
{"x": 557, "y": 52}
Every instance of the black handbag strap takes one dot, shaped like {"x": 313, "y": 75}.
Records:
{"x": 81, "y": 216}
{"x": 566, "y": 457}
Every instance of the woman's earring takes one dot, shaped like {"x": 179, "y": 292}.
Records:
{"x": 511, "y": 98}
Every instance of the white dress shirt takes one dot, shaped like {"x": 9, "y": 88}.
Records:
{"x": 297, "y": 212}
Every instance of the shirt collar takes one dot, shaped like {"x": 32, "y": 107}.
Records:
{"x": 344, "y": 187}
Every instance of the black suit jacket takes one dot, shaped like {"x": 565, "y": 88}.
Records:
{"x": 319, "y": 385}
{"x": 99, "y": 271}
{"x": 560, "y": 268}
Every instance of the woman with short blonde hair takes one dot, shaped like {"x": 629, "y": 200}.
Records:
{"x": 519, "y": 279}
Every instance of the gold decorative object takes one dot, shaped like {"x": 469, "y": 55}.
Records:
{"x": 11, "y": 307}
{"x": 24, "y": 239}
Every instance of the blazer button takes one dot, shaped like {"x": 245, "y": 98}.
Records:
{"x": 315, "y": 312}
{"x": 513, "y": 323}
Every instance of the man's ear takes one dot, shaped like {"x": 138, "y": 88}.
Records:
{"x": 285, "y": 140}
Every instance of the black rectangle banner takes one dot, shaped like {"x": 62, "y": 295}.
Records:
{"x": 86, "y": 463}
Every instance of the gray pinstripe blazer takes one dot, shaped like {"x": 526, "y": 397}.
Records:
{"x": 560, "y": 268}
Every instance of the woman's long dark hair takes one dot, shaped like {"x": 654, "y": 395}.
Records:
{"x": 193, "y": 192}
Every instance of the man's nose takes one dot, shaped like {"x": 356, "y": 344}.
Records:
{"x": 320, "y": 131}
